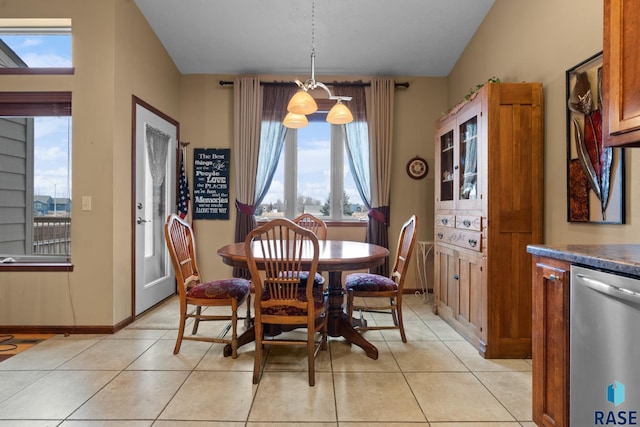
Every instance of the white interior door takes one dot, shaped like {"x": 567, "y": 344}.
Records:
{"x": 156, "y": 141}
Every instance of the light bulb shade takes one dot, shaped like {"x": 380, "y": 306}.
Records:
{"x": 295, "y": 121}
{"x": 339, "y": 114}
{"x": 302, "y": 103}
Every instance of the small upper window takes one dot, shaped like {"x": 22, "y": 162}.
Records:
{"x": 28, "y": 44}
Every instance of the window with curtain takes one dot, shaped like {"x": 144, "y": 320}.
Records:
{"x": 314, "y": 176}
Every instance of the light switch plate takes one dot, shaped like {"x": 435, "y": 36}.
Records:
{"x": 86, "y": 203}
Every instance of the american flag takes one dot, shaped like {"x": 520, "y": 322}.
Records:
{"x": 183, "y": 190}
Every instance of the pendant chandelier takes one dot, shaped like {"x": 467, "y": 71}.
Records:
{"x": 302, "y": 103}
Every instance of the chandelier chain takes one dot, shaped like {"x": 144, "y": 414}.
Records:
{"x": 313, "y": 27}
{"x": 302, "y": 103}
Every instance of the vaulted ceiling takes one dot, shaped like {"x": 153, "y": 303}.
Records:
{"x": 351, "y": 37}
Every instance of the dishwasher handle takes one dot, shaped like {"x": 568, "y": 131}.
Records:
{"x": 614, "y": 291}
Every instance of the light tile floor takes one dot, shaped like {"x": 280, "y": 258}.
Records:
{"x": 132, "y": 378}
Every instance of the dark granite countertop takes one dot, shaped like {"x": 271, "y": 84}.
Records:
{"x": 623, "y": 259}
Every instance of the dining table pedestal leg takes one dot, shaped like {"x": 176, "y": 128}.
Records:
{"x": 339, "y": 324}
{"x": 246, "y": 337}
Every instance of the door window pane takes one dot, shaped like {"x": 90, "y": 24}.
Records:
{"x": 446, "y": 162}
{"x": 469, "y": 159}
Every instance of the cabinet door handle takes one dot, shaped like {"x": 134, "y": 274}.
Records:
{"x": 473, "y": 243}
{"x": 456, "y": 277}
{"x": 553, "y": 277}
{"x": 444, "y": 221}
{"x": 440, "y": 235}
{"x": 466, "y": 223}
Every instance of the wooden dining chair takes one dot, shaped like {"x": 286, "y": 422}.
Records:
{"x": 319, "y": 228}
{"x": 367, "y": 285}
{"x": 313, "y": 223}
{"x": 280, "y": 246}
{"x": 195, "y": 294}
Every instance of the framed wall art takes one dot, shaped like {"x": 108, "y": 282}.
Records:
{"x": 595, "y": 174}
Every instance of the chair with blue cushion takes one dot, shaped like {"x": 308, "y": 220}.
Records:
{"x": 276, "y": 254}
{"x": 319, "y": 228}
{"x": 195, "y": 294}
{"x": 369, "y": 286}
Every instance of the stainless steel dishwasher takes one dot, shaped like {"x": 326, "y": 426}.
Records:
{"x": 604, "y": 372}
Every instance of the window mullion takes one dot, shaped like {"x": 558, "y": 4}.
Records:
{"x": 290, "y": 173}
{"x": 337, "y": 170}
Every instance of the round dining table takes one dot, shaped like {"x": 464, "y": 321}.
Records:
{"x": 335, "y": 257}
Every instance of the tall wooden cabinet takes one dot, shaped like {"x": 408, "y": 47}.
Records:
{"x": 489, "y": 183}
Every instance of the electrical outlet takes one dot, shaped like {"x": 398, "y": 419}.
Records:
{"x": 86, "y": 203}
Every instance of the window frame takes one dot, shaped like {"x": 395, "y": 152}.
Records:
{"x": 37, "y": 26}
{"x": 36, "y": 104}
{"x": 338, "y": 141}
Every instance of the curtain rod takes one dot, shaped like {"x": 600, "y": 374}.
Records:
{"x": 402, "y": 84}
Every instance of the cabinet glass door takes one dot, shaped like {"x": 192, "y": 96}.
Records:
{"x": 468, "y": 165}
{"x": 446, "y": 167}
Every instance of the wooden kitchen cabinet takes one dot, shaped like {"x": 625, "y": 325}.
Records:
{"x": 620, "y": 78}
{"x": 445, "y": 286}
{"x": 471, "y": 305}
{"x": 488, "y": 163}
{"x": 460, "y": 284}
{"x": 552, "y": 310}
{"x": 550, "y": 342}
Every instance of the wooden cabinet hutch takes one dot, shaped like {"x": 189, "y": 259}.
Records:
{"x": 489, "y": 195}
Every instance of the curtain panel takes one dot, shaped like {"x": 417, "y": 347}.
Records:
{"x": 258, "y": 140}
{"x": 380, "y": 110}
{"x": 272, "y": 134}
{"x": 247, "y": 113}
{"x": 357, "y": 133}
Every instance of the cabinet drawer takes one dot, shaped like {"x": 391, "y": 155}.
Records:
{"x": 469, "y": 222}
{"x": 446, "y": 221}
{"x": 464, "y": 239}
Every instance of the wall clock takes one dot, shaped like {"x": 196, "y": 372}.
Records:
{"x": 417, "y": 168}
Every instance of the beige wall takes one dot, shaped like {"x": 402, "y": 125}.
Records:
{"x": 115, "y": 55}
{"x": 538, "y": 41}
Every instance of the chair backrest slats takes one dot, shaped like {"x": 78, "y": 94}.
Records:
{"x": 406, "y": 242}
{"x": 182, "y": 251}
{"x": 280, "y": 246}
{"x": 313, "y": 223}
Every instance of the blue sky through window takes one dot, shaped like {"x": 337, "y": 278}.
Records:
{"x": 52, "y": 135}
{"x": 41, "y": 50}
{"x": 314, "y": 170}
{"x": 52, "y": 157}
